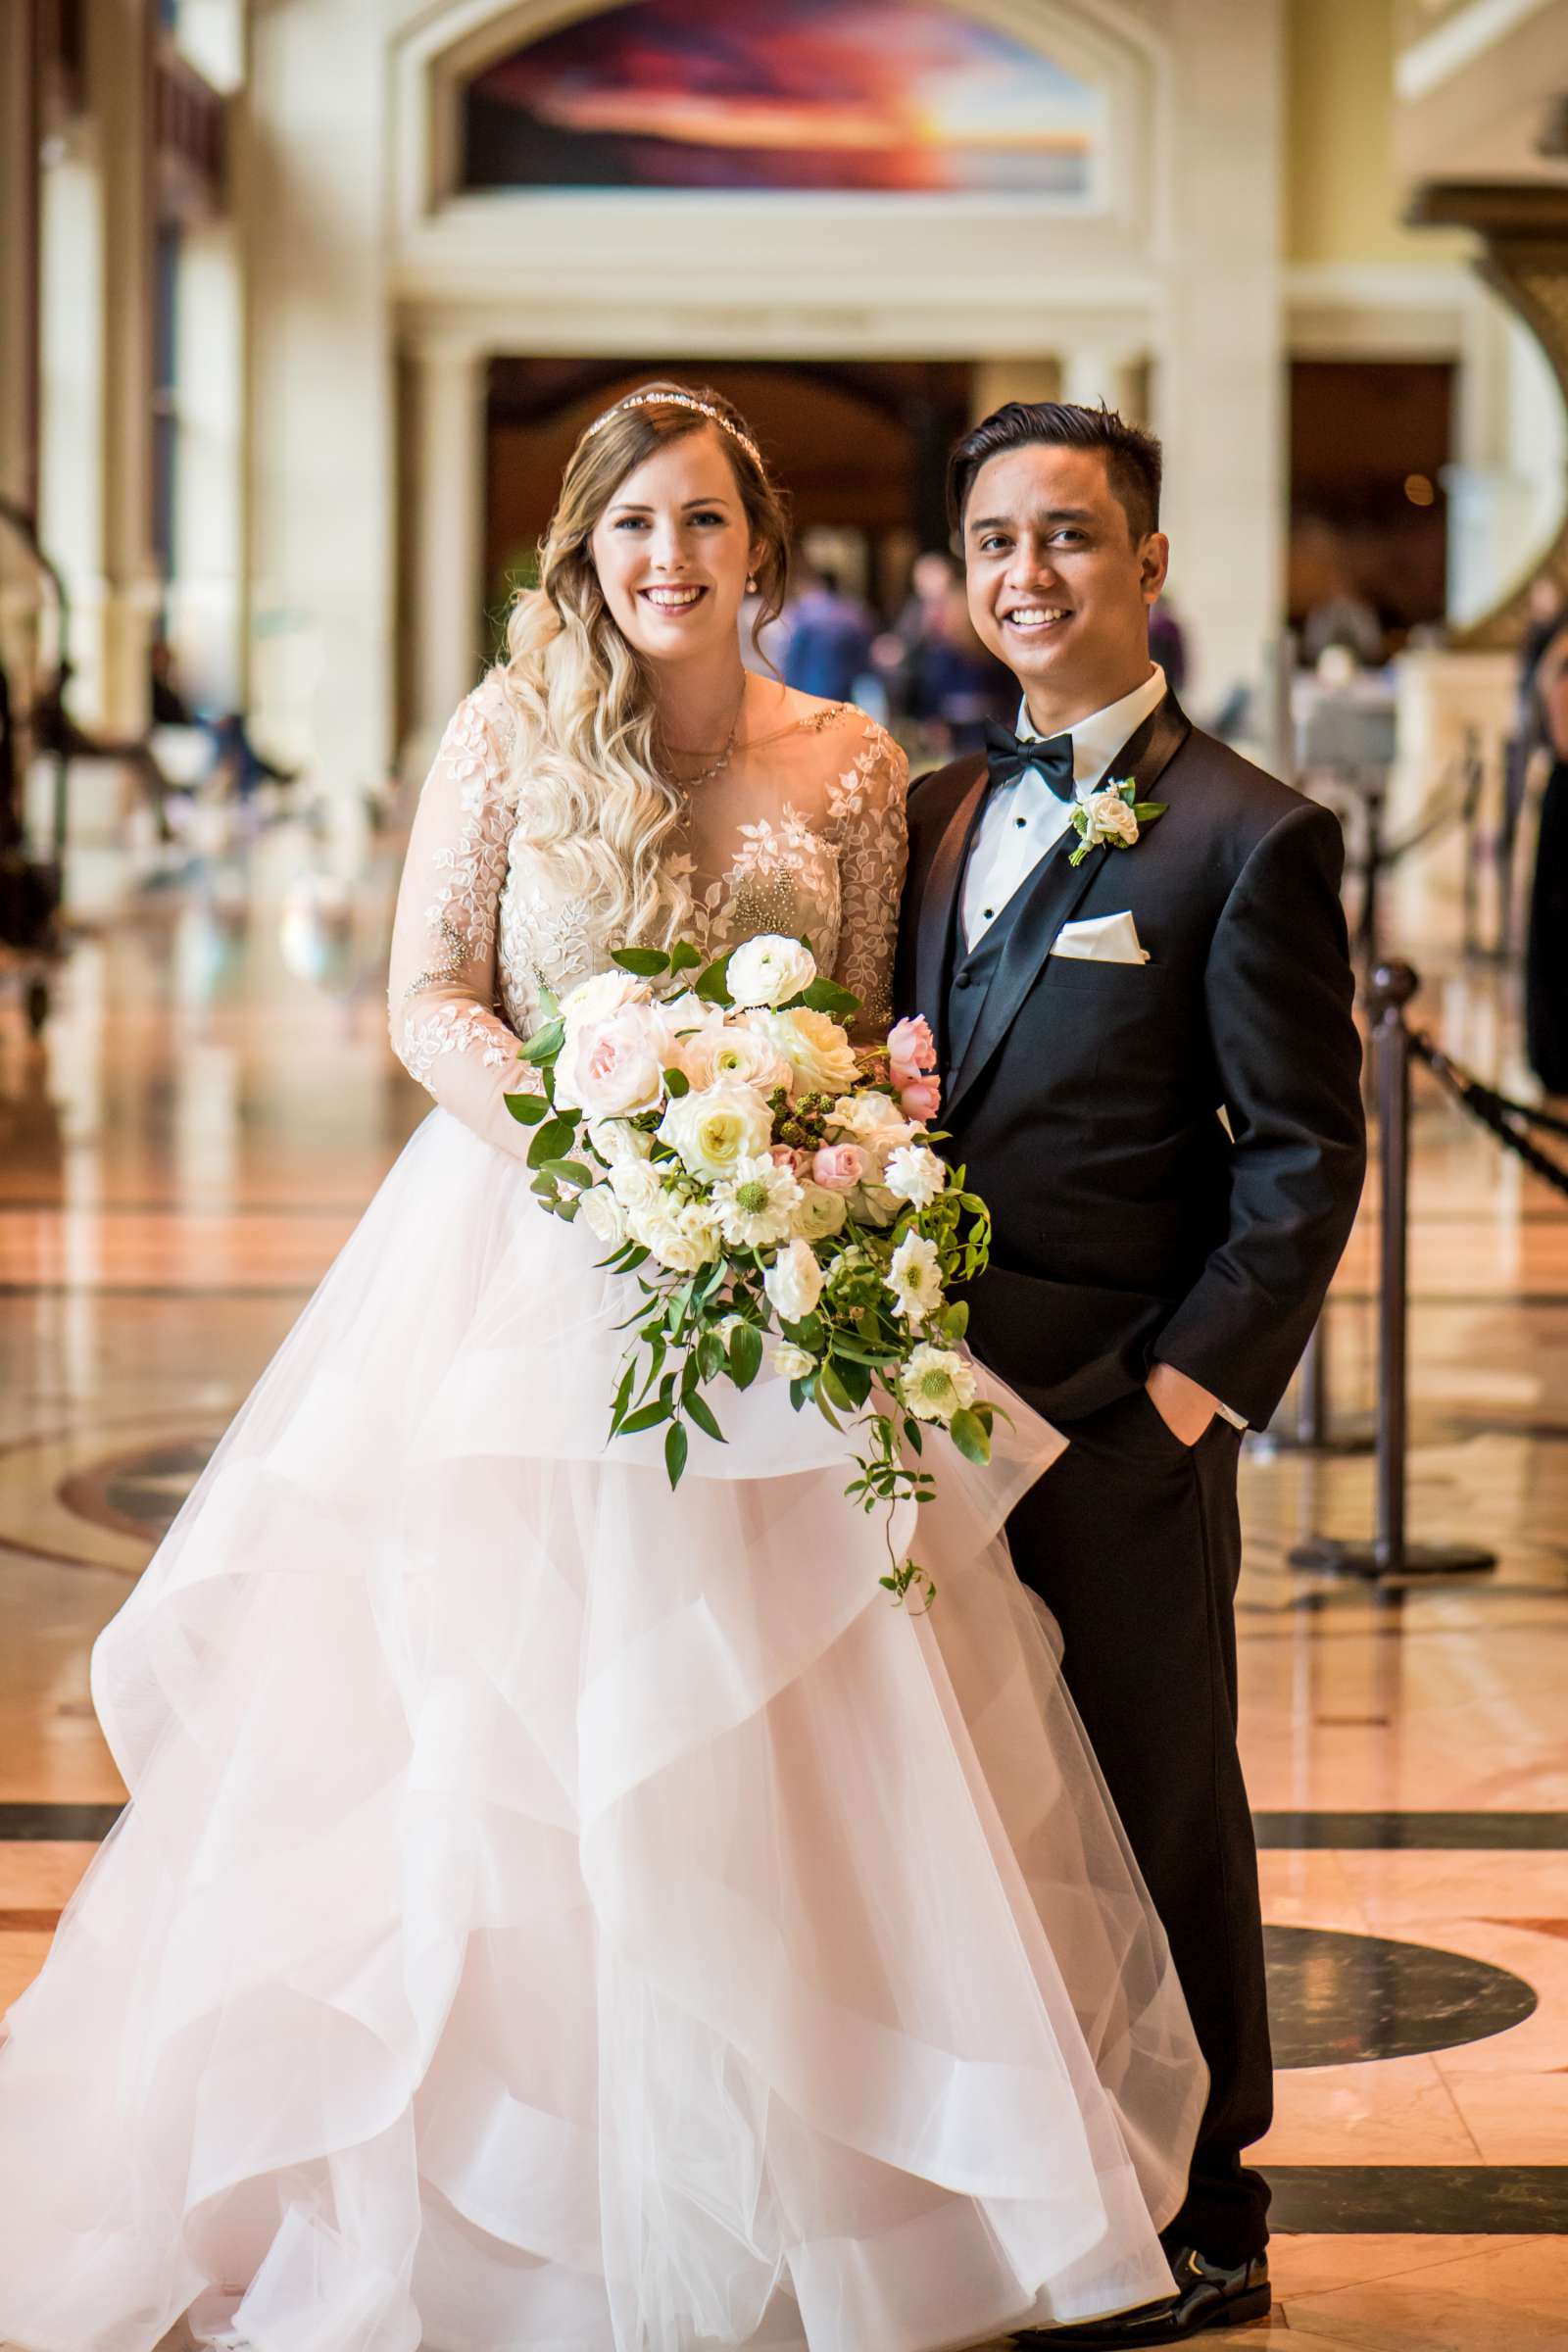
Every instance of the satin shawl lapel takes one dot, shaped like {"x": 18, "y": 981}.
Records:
{"x": 938, "y": 903}
{"x": 1051, "y": 893}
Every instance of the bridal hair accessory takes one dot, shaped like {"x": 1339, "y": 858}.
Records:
{"x": 770, "y": 1189}
{"x": 1110, "y": 815}
{"x": 680, "y": 400}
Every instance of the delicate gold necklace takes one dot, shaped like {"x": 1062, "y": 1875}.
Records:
{"x": 705, "y": 776}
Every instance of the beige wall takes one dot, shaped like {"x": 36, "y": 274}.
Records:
{"x": 1343, "y": 200}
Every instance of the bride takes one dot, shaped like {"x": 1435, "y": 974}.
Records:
{"x": 552, "y": 1912}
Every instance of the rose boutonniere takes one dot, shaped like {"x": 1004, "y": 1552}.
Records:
{"x": 1110, "y": 814}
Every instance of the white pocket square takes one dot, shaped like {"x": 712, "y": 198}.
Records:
{"x": 1102, "y": 939}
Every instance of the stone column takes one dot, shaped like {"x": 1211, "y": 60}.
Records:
{"x": 1118, "y": 378}
{"x": 444, "y": 589}
{"x": 1220, "y": 352}
{"x": 18, "y": 317}
{"x": 120, "y": 63}
{"x": 311, "y": 175}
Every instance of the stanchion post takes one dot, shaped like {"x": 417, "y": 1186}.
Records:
{"x": 1391, "y": 1554}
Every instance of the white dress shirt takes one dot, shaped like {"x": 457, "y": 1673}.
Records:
{"x": 1021, "y": 821}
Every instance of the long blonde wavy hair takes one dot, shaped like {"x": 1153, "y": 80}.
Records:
{"x": 593, "y": 801}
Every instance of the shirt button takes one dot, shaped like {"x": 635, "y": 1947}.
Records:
{"x": 1020, "y": 822}
{"x": 990, "y": 913}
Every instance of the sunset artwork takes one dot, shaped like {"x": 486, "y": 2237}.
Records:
{"x": 899, "y": 97}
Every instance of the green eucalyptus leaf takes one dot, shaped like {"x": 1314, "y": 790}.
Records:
{"x": 745, "y": 1356}
{"x": 676, "y": 1084}
{"x": 555, "y": 1137}
{"x": 527, "y": 1109}
{"x": 569, "y": 1171}
{"x": 702, "y": 1412}
{"x": 970, "y": 1436}
{"x": 545, "y": 1043}
{"x": 684, "y": 957}
{"x": 646, "y": 962}
{"x": 647, "y": 1416}
{"x": 712, "y": 986}
{"x": 676, "y": 1447}
{"x": 826, "y": 996}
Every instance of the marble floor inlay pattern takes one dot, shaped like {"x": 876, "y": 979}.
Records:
{"x": 206, "y": 1116}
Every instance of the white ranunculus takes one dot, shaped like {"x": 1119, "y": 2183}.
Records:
{"x": 794, "y": 1282}
{"x": 636, "y": 1184}
{"x": 915, "y": 1174}
{"x": 820, "y": 1214}
{"x": 769, "y": 969}
{"x": 715, "y": 1127}
{"x": 756, "y": 1207}
{"x": 682, "y": 1238}
{"x": 733, "y": 1051}
{"x": 604, "y": 1216}
{"x": 616, "y": 1144}
{"x": 816, "y": 1048}
{"x": 792, "y": 1363}
{"x": 915, "y": 1278}
{"x": 871, "y": 1119}
{"x": 936, "y": 1383}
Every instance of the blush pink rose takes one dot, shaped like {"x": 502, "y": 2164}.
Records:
{"x": 921, "y": 1099}
{"x": 912, "y": 1048}
{"x": 839, "y": 1167}
{"x": 799, "y": 1163}
{"x": 619, "y": 1067}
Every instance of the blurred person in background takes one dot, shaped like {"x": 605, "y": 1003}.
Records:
{"x": 941, "y": 676}
{"x": 1343, "y": 619}
{"x": 1167, "y": 644}
{"x": 1547, "y": 945}
{"x": 829, "y": 647}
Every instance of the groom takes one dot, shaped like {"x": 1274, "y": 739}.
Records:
{"x": 1151, "y": 1074}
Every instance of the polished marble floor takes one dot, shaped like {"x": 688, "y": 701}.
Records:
{"x": 211, "y": 1106}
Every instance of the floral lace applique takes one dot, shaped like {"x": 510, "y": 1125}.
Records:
{"x": 453, "y": 1029}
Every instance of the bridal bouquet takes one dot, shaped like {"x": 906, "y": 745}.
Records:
{"x": 768, "y": 1184}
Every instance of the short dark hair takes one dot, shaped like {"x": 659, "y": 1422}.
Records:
{"x": 1133, "y": 460}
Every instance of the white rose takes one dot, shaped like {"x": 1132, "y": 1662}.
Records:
{"x": 794, "y": 1282}
{"x": 874, "y": 1205}
{"x": 915, "y": 1174}
{"x": 820, "y": 1214}
{"x": 715, "y": 1127}
{"x": 1110, "y": 819}
{"x": 915, "y": 1278}
{"x": 604, "y": 1216}
{"x": 717, "y": 1054}
{"x": 872, "y": 1118}
{"x": 616, "y": 1144}
{"x": 769, "y": 969}
{"x": 635, "y": 1184}
{"x": 792, "y": 1363}
{"x": 689, "y": 1013}
{"x": 816, "y": 1048}
{"x": 682, "y": 1238}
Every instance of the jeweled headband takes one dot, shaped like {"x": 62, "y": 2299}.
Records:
{"x": 680, "y": 400}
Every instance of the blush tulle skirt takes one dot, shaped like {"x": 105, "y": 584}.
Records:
{"x": 554, "y": 1913}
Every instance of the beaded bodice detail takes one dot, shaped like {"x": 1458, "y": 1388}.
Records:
{"x": 803, "y": 833}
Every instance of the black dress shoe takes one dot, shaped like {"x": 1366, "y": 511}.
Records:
{"x": 1208, "y": 2295}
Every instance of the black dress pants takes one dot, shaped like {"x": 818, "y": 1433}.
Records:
{"x": 1133, "y": 1542}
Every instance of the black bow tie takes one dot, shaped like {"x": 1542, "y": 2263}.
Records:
{"x": 1006, "y": 759}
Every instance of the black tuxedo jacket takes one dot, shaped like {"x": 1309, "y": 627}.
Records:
{"x": 1130, "y": 1226}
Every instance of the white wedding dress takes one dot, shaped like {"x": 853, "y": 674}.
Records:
{"x": 552, "y": 1913}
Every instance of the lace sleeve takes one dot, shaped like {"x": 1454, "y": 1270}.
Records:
{"x": 441, "y": 988}
{"x": 873, "y": 839}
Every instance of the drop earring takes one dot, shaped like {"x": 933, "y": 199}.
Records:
{"x": 751, "y": 583}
